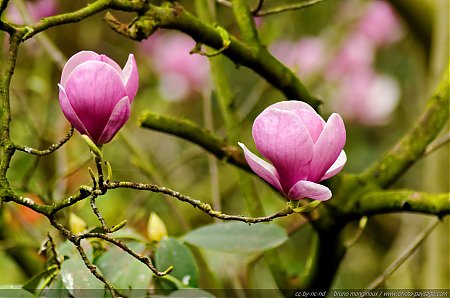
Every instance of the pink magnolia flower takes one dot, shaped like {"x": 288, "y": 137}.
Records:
{"x": 355, "y": 54}
{"x": 180, "y": 73}
{"x": 366, "y": 97}
{"x": 305, "y": 56}
{"x": 302, "y": 147}
{"x": 380, "y": 24}
{"x": 95, "y": 94}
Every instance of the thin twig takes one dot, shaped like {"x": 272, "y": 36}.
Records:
{"x": 437, "y": 144}
{"x": 3, "y": 5}
{"x": 361, "y": 227}
{"x": 49, "y": 150}
{"x": 53, "y": 249}
{"x": 144, "y": 259}
{"x": 101, "y": 180}
{"x": 289, "y": 7}
{"x": 225, "y": 3}
{"x": 407, "y": 253}
{"x": 114, "y": 292}
{"x": 188, "y": 130}
{"x": 199, "y": 204}
{"x": 258, "y": 7}
{"x": 98, "y": 214}
{"x": 76, "y": 240}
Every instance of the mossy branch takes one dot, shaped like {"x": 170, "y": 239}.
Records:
{"x": 174, "y": 16}
{"x": 388, "y": 201}
{"x": 411, "y": 147}
{"x": 50, "y": 149}
{"x": 138, "y": 6}
{"x": 189, "y": 131}
{"x": 7, "y": 148}
{"x": 205, "y": 207}
{"x": 245, "y": 21}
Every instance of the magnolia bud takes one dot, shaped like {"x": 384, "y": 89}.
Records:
{"x": 156, "y": 230}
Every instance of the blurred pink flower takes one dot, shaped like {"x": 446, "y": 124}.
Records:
{"x": 181, "y": 74}
{"x": 380, "y": 24}
{"x": 37, "y": 9}
{"x": 302, "y": 147}
{"x": 361, "y": 94}
{"x": 95, "y": 94}
{"x": 367, "y": 97}
{"x": 355, "y": 54}
{"x": 305, "y": 56}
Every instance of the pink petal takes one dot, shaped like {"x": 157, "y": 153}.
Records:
{"x": 118, "y": 118}
{"x": 70, "y": 113}
{"x": 336, "y": 167}
{"x": 313, "y": 122}
{"x": 74, "y": 61}
{"x": 109, "y": 61}
{"x": 262, "y": 168}
{"x": 328, "y": 147}
{"x": 290, "y": 105}
{"x": 94, "y": 88}
{"x": 131, "y": 77}
{"x": 282, "y": 137}
{"x": 307, "y": 189}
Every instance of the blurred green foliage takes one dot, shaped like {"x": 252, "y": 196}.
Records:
{"x": 150, "y": 157}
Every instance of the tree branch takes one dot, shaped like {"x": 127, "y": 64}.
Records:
{"x": 143, "y": 259}
{"x": 408, "y": 150}
{"x": 7, "y": 148}
{"x": 49, "y": 150}
{"x": 189, "y": 131}
{"x": 389, "y": 201}
{"x": 288, "y": 7}
{"x": 76, "y": 240}
{"x": 199, "y": 204}
{"x": 405, "y": 255}
{"x": 174, "y": 16}
{"x": 244, "y": 20}
{"x": 139, "y": 6}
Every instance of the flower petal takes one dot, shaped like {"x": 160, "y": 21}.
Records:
{"x": 119, "y": 117}
{"x": 328, "y": 147}
{"x": 70, "y": 113}
{"x": 307, "y": 189}
{"x": 74, "y": 61}
{"x": 94, "y": 88}
{"x": 262, "y": 168}
{"x": 111, "y": 62}
{"x": 336, "y": 167}
{"x": 290, "y": 105}
{"x": 282, "y": 137}
{"x": 313, "y": 122}
{"x": 131, "y": 77}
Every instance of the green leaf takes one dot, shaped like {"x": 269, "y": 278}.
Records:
{"x": 14, "y": 291}
{"x": 56, "y": 289}
{"x": 124, "y": 271}
{"x": 237, "y": 237}
{"x": 40, "y": 280}
{"x": 172, "y": 252}
{"x": 67, "y": 250}
{"x": 79, "y": 280}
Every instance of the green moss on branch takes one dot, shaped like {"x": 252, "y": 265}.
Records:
{"x": 174, "y": 16}
{"x": 244, "y": 19}
{"x": 389, "y": 201}
{"x": 408, "y": 150}
{"x": 189, "y": 131}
